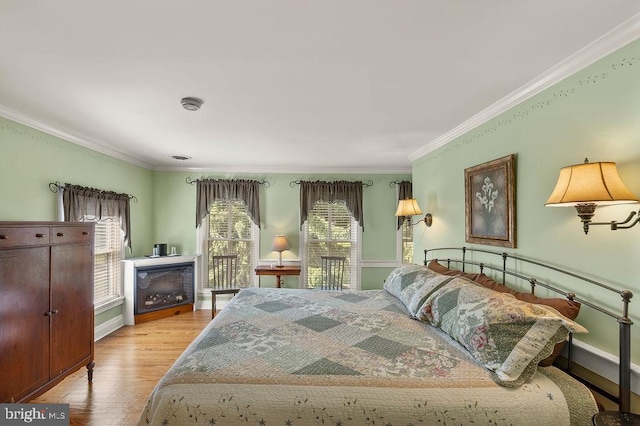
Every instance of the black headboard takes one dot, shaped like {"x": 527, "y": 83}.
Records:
{"x": 499, "y": 262}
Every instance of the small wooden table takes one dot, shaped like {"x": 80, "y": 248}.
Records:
{"x": 278, "y": 271}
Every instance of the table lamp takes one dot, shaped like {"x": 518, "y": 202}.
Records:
{"x": 279, "y": 244}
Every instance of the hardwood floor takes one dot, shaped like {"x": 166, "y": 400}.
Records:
{"x": 129, "y": 362}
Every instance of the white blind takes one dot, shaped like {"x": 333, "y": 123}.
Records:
{"x": 231, "y": 231}
{"x": 330, "y": 231}
{"x": 107, "y": 256}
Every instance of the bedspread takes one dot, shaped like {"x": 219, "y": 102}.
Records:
{"x": 298, "y": 357}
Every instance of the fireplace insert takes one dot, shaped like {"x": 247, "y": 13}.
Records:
{"x": 163, "y": 286}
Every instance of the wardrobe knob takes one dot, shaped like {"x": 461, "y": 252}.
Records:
{"x": 3, "y": 237}
{"x": 39, "y": 235}
{"x": 60, "y": 234}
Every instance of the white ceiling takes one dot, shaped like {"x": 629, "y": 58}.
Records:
{"x": 288, "y": 85}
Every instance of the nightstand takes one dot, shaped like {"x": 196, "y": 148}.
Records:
{"x": 278, "y": 271}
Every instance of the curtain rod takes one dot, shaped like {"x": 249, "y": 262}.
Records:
{"x": 395, "y": 182}
{"x": 293, "y": 183}
{"x": 190, "y": 181}
{"x": 55, "y": 186}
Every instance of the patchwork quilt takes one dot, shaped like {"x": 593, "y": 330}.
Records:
{"x": 300, "y": 357}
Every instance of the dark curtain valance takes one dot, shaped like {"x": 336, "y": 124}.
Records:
{"x": 80, "y": 201}
{"x": 349, "y": 192}
{"x": 405, "y": 191}
{"x": 210, "y": 190}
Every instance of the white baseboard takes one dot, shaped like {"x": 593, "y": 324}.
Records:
{"x": 602, "y": 363}
{"x": 108, "y": 327}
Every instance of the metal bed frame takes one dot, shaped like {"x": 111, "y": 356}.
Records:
{"x": 623, "y": 399}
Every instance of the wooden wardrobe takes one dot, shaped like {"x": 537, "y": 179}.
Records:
{"x": 46, "y": 305}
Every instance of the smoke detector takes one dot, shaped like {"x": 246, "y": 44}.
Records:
{"x": 191, "y": 104}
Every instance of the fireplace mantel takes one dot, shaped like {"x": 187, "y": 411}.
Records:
{"x": 131, "y": 267}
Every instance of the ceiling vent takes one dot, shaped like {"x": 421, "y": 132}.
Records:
{"x": 191, "y": 104}
{"x": 181, "y": 157}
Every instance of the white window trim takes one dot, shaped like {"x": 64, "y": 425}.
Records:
{"x": 398, "y": 244}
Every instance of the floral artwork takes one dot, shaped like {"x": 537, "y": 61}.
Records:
{"x": 490, "y": 202}
{"x": 488, "y": 195}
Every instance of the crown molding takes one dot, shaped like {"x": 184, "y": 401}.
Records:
{"x": 611, "y": 41}
{"x": 81, "y": 140}
{"x": 292, "y": 170}
{"x": 86, "y": 142}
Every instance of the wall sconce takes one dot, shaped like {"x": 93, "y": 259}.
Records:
{"x": 409, "y": 207}
{"x": 588, "y": 185}
{"x": 279, "y": 244}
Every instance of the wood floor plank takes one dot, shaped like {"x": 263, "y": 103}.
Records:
{"x": 129, "y": 363}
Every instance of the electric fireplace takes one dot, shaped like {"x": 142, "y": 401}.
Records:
{"x": 159, "y": 287}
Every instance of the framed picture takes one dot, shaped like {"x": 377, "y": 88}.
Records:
{"x": 490, "y": 200}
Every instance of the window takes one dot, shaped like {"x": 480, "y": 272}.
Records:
{"x": 331, "y": 230}
{"x": 76, "y": 203}
{"x": 228, "y": 229}
{"x": 405, "y": 228}
{"x": 108, "y": 253}
{"x": 405, "y": 236}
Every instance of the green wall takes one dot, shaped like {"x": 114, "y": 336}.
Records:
{"x": 279, "y": 209}
{"x": 594, "y": 113}
{"x": 165, "y": 210}
{"x": 31, "y": 159}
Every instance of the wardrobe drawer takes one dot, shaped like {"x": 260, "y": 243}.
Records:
{"x": 24, "y": 236}
{"x": 71, "y": 234}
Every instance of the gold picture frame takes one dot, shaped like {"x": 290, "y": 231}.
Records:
{"x": 490, "y": 203}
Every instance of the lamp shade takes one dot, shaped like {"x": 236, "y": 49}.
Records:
{"x": 408, "y": 207}
{"x": 590, "y": 183}
{"x": 279, "y": 243}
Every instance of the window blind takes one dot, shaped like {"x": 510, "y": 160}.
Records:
{"x": 330, "y": 230}
{"x": 232, "y": 231}
{"x": 108, "y": 247}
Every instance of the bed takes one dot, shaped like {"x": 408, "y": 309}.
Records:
{"x": 396, "y": 356}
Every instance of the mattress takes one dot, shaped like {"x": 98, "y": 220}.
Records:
{"x": 297, "y": 357}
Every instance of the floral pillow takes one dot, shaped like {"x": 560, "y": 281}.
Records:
{"x": 507, "y": 336}
{"x": 568, "y": 308}
{"x": 412, "y": 284}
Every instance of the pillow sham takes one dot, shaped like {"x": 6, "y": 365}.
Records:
{"x": 505, "y": 335}
{"x": 412, "y": 284}
{"x": 568, "y": 308}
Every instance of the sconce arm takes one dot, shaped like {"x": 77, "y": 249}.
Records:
{"x": 615, "y": 225}
{"x": 427, "y": 219}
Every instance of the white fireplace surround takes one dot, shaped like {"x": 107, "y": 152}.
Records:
{"x": 130, "y": 265}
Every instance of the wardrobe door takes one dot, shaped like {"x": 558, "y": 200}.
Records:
{"x": 24, "y": 321}
{"x": 71, "y": 306}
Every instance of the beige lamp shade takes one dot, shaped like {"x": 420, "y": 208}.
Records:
{"x": 279, "y": 243}
{"x": 408, "y": 207}
{"x": 590, "y": 183}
